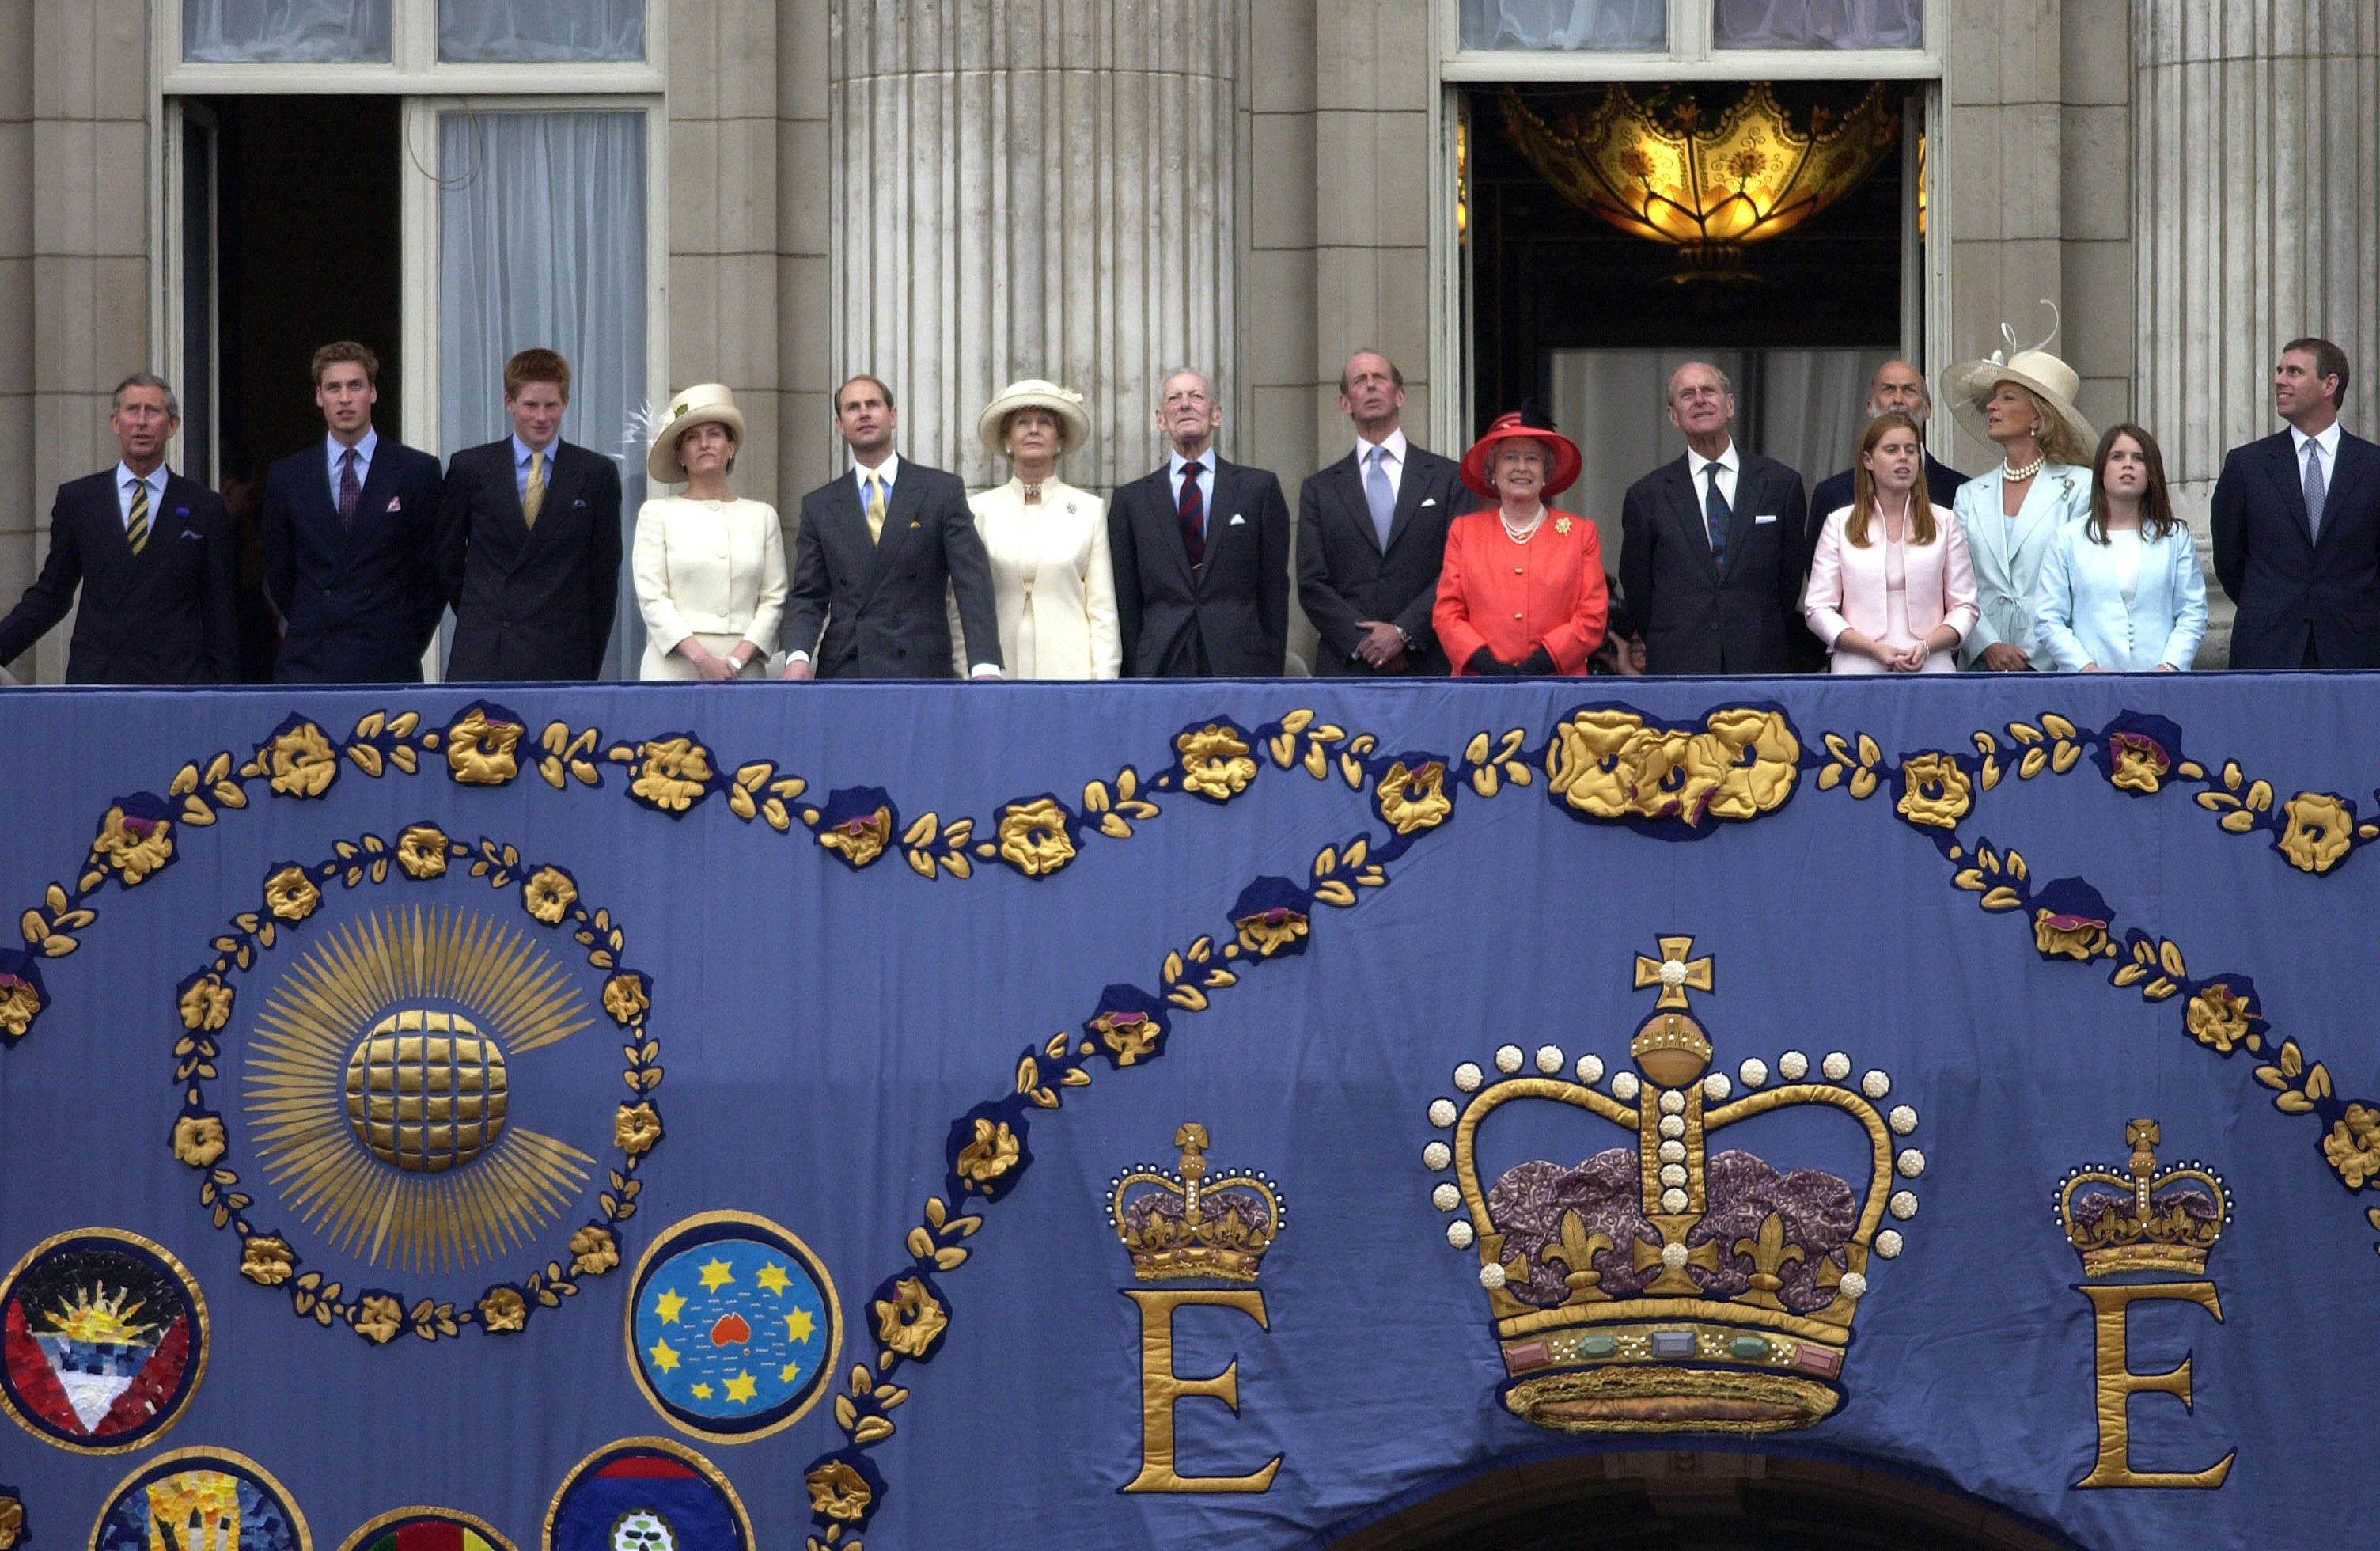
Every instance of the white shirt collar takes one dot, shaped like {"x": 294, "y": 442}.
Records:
{"x": 1175, "y": 462}
{"x": 521, "y": 450}
{"x": 2327, "y": 441}
{"x": 1394, "y": 443}
{"x": 1728, "y": 460}
{"x": 889, "y": 470}
{"x": 155, "y": 478}
{"x": 364, "y": 447}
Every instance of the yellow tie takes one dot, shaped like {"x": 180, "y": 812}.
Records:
{"x": 533, "y": 494}
{"x": 875, "y": 510}
{"x": 136, "y": 526}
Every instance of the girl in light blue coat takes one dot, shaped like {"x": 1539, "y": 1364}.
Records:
{"x": 2121, "y": 591}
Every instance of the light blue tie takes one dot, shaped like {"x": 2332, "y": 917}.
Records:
{"x": 1379, "y": 496}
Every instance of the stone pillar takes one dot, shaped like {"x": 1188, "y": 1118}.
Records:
{"x": 21, "y": 507}
{"x": 2255, "y": 153}
{"x": 1034, "y": 188}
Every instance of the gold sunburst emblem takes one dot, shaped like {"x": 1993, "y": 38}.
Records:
{"x": 381, "y": 1108}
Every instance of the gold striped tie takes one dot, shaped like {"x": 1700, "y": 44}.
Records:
{"x": 875, "y": 510}
{"x": 533, "y": 496}
{"x": 136, "y": 526}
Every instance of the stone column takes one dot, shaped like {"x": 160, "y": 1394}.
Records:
{"x": 2255, "y": 148}
{"x": 1034, "y": 188}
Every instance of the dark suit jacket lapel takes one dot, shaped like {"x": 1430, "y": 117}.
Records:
{"x": 900, "y": 503}
{"x": 1751, "y": 493}
{"x": 1347, "y": 485}
{"x": 1413, "y": 487}
{"x": 371, "y": 505}
{"x": 1220, "y": 513}
{"x": 1687, "y": 506}
{"x": 2283, "y": 467}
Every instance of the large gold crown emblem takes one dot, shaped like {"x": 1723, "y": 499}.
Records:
{"x": 1180, "y": 1224}
{"x": 2145, "y": 1219}
{"x": 1661, "y": 1287}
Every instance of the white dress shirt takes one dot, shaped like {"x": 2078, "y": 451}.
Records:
{"x": 1730, "y": 463}
{"x": 124, "y": 480}
{"x": 1393, "y": 465}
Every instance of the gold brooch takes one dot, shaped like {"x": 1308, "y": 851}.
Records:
{"x": 1562, "y": 525}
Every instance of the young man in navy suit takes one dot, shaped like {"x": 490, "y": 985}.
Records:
{"x": 2296, "y": 520}
{"x": 153, "y": 554}
{"x": 528, "y": 541}
{"x": 350, "y": 539}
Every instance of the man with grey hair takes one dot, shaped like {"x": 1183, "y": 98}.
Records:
{"x": 1712, "y": 556}
{"x": 154, "y": 556}
{"x": 1201, "y": 552}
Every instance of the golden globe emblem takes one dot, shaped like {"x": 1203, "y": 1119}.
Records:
{"x": 426, "y": 1091}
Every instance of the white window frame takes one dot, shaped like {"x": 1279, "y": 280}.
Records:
{"x": 1692, "y": 56}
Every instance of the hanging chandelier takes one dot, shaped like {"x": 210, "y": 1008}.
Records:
{"x": 1660, "y": 170}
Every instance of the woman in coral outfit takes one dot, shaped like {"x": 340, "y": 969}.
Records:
{"x": 1521, "y": 589}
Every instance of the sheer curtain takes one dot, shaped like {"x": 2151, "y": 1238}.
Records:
{"x": 539, "y": 32}
{"x": 1820, "y": 23}
{"x": 541, "y": 242}
{"x": 1814, "y": 405}
{"x": 1566, "y": 24}
{"x": 284, "y": 32}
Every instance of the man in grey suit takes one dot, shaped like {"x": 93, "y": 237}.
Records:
{"x": 1201, "y": 552}
{"x": 880, "y": 547}
{"x": 1712, "y": 556}
{"x": 1371, "y": 535}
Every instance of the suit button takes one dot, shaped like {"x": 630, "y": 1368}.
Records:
{"x": 1516, "y": 616}
{"x": 1516, "y": 570}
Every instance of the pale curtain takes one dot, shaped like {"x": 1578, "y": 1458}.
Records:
{"x": 539, "y": 32}
{"x": 284, "y": 32}
{"x": 542, "y": 243}
{"x": 1820, "y": 23}
{"x": 1802, "y": 407}
{"x": 1566, "y": 24}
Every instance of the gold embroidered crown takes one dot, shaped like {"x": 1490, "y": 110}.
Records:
{"x": 1658, "y": 1287}
{"x": 1181, "y": 1225}
{"x": 2145, "y": 1219}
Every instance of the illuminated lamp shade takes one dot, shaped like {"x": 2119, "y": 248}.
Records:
{"x": 1659, "y": 171}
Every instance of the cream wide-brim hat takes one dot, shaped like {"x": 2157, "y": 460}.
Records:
{"x": 1074, "y": 424}
{"x": 704, "y": 404}
{"x": 1970, "y": 385}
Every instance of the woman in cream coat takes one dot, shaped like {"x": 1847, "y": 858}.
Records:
{"x": 710, "y": 569}
{"x": 2121, "y": 591}
{"x": 1053, "y": 587}
{"x": 2024, "y": 402}
{"x": 1891, "y": 590}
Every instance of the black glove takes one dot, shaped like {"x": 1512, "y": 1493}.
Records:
{"x": 1487, "y": 665}
{"x": 1540, "y": 663}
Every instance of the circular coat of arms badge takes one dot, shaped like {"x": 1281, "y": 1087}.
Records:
{"x": 201, "y": 1497}
{"x": 103, "y": 1339}
{"x": 732, "y": 1326}
{"x": 647, "y": 1495}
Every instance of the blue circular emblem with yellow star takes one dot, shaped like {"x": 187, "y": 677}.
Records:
{"x": 732, "y": 1326}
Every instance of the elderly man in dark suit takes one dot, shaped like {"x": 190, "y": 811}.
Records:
{"x": 155, "y": 555}
{"x": 881, "y": 546}
{"x": 529, "y": 546}
{"x": 1371, "y": 533}
{"x": 351, "y": 539}
{"x": 2296, "y": 526}
{"x": 1201, "y": 552}
{"x": 1712, "y": 555}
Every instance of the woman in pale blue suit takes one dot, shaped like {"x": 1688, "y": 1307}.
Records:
{"x": 2025, "y": 402}
{"x": 2121, "y": 591}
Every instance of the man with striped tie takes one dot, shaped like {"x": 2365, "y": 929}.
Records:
{"x": 153, "y": 554}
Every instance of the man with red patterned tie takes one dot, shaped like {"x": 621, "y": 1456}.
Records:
{"x": 1201, "y": 552}
{"x": 350, "y": 529}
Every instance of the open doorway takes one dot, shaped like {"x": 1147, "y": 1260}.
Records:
{"x": 290, "y": 239}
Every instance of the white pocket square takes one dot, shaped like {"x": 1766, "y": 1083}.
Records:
{"x": 1430, "y": 501}
{"x": 1765, "y": 516}
{"x": 393, "y": 505}
{"x": 192, "y": 533}
{"x": 1238, "y": 521}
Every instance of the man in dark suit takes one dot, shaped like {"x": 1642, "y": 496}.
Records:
{"x": 1712, "y": 553}
{"x": 155, "y": 557}
{"x": 2296, "y": 526}
{"x": 351, "y": 539}
{"x": 1896, "y": 385}
{"x": 1201, "y": 552}
{"x": 880, "y": 547}
{"x": 1371, "y": 532}
{"x": 528, "y": 541}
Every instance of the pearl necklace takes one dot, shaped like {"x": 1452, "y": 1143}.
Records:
{"x": 1519, "y": 537}
{"x": 2015, "y": 476}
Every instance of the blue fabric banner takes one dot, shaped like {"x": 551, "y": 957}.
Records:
{"x": 695, "y": 1118}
